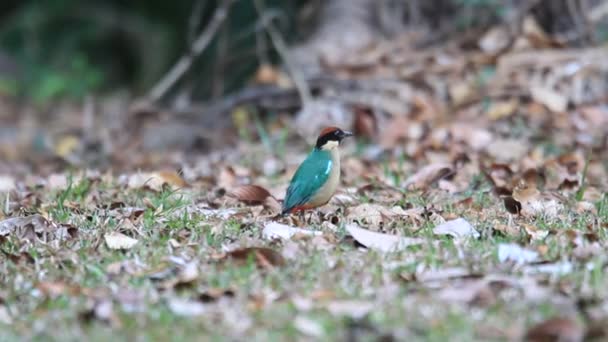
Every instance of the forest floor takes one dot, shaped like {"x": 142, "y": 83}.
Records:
{"x": 473, "y": 206}
{"x": 405, "y": 252}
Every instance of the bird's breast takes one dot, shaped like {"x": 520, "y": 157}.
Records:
{"x": 327, "y": 190}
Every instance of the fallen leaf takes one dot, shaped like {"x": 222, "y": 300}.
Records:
{"x": 373, "y": 215}
{"x": 515, "y": 253}
{"x": 309, "y": 327}
{"x": 263, "y": 257}
{"x": 7, "y": 183}
{"x": 461, "y": 92}
{"x": 502, "y": 109}
{"x": 556, "y": 329}
{"x": 54, "y": 289}
{"x": 5, "y": 317}
{"x": 36, "y": 228}
{"x": 379, "y": 241}
{"x": 186, "y": 307}
{"x": 267, "y": 74}
{"x": 274, "y": 230}
{"x": 534, "y": 232}
{"x": 555, "y": 101}
{"x": 102, "y": 310}
{"x": 507, "y": 150}
{"x": 354, "y": 309}
{"x": 116, "y": 240}
{"x": 213, "y": 294}
{"x": 428, "y": 175}
{"x": 495, "y": 40}
{"x": 555, "y": 268}
{"x": 250, "y": 194}
{"x": 155, "y": 181}
{"x": 458, "y": 228}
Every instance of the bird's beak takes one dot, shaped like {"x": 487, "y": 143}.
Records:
{"x": 346, "y": 134}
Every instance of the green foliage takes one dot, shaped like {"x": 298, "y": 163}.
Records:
{"x": 68, "y": 48}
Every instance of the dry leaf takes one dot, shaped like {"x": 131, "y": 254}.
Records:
{"x": 250, "y": 194}
{"x": 354, "y": 309}
{"x": 461, "y": 92}
{"x": 458, "y": 228}
{"x": 274, "y": 230}
{"x": 186, "y": 307}
{"x": 373, "y": 215}
{"x": 263, "y": 257}
{"x": 556, "y": 329}
{"x": 5, "y": 317}
{"x": 29, "y": 228}
{"x": 502, "y": 109}
{"x": 7, "y": 183}
{"x": 156, "y": 180}
{"x": 514, "y": 253}
{"x": 381, "y": 242}
{"x": 427, "y": 176}
{"x": 116, "y": 240}
{"x": 309, "y": 327}
{"x": 507, "y": 150}
{"x": 495, "y": 40}
{"x": 555, "y": 101}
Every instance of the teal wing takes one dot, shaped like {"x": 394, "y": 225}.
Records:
{"x": 308, "y": 179}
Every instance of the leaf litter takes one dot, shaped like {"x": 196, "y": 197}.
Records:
{"x": 482, "y": 192}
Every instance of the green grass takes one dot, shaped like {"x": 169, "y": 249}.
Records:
{"x": 267, "y": 303}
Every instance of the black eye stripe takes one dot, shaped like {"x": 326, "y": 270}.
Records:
{"x": 331, "y": 136}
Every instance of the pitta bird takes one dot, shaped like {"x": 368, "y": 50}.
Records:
{"x": 317, "y": 178}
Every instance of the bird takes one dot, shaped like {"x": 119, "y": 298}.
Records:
{"x": 317, "y": 178}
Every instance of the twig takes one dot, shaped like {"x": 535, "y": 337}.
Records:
{"x": 278, "y": 42}
{"x": 198, "y": 46}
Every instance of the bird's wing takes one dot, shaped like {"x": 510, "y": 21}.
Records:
{"x": 308, "y": 179}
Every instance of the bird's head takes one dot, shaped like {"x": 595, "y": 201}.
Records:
{"x": 330, "y": 138}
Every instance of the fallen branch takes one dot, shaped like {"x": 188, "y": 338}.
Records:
{"x": 279, "y": 44}
{"x": 198, "y": 46}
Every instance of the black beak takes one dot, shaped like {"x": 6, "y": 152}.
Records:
{"x": 346, "y": 134}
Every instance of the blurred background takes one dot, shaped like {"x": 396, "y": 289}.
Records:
{"x": 115, "y": 84}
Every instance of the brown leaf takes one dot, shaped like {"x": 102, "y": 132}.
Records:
{"x": 428, "y": 175}
{"x": 213, "y": 294}
{"x": 512, "y": 205}
{"x": 23, "y": 257}
{"x": 54, "y": 289}
{"x": 556, "y": 329}
{"x": 263, "y": 257}
{"x": 250, "y": 194}
{"x": 365, "y": 123}
{"x": 155, "y": 181}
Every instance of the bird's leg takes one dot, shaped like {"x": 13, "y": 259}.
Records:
{"x": 301, "y": 216}
{"x": 310, "y": 216}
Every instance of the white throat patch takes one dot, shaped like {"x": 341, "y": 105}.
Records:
{"x": 330, "y": 145}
